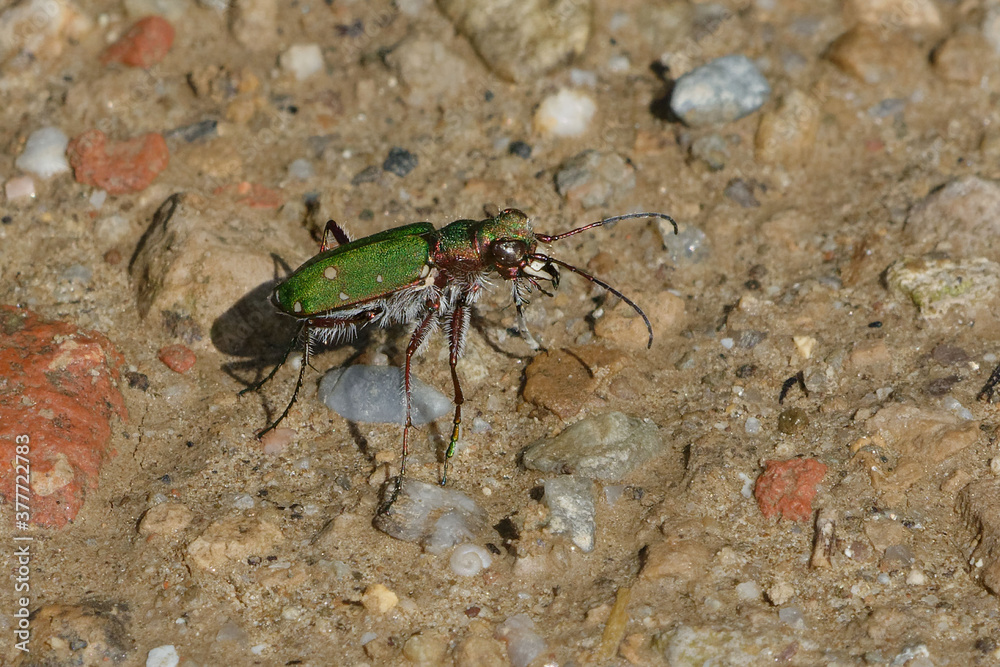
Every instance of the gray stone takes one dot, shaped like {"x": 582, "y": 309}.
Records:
{"x": 435, "y": 517}
{"x": 721, "y": 91}
{"x": 606, "y": 447}
{"x": 374, "y": 394}
{"x": 570, "y": 500}
{"x": 592, "y": 178}
{"x": 522, "y": 39}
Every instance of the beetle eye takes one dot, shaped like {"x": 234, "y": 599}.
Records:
{"x": 508, "y": 252}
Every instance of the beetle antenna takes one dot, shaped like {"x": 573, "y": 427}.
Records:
{"x": 546, "y": 238}
{"x": 594, "y": 279}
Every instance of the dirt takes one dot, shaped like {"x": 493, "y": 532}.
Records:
{"x": 799, "y": 249}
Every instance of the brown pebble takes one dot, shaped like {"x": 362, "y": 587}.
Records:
{"x": 792, "y": 421}
{"x": 178, "y": 358}
{"x": 119, "y": 167}
{"x": 145, "y": 44}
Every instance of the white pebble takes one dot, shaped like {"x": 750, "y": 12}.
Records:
{"x": 243, "y": 501}
{"x": 368, "y": 638}
{"x": 565, "y": 114}
{"x": 163, "y": 656}
{"x": 302, "y": 60}
{"x": 45, "y": 153}
{"x": 301, "y": 170}
{"x": 916, "y": 577}
{"x": 748, "y": 590}
{"x": 752, "y": 426}
{"x": 995, "y": 465}
{"x": 97, "y": 198}
{"x": 727, "y": 343}
{"x": 469, "y": 559}
{"x": 19, "y": 187}
{"x": 523, "y": 643}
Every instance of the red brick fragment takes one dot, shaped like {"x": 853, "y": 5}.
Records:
{"x": 788, "y": 488}
{"x": 178, "y": 358}
{"x": 119, "y": 167}
{"x": 145, "y": 44}
{"x": 58, "y": 390}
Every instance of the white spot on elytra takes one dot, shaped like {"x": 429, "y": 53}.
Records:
{"x": 297, "y": 306}
{"x": 425, "y": 270}
{"x": 344, "y": 297}
{"x": 378, "y": 278}
{"x": 330, "y": 273}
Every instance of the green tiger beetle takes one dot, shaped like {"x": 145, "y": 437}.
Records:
{"x": 416, "y": 273}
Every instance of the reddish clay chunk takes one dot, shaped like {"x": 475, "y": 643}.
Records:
{"x": 58, "y": 395}
{"x": 145, "y": 44}
{"x": 119, "y": 167}
{"x": 788, "y": 488}
{"x": 177, "y": 358}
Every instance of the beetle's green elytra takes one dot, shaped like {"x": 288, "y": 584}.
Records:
{"x": 427, "y": 276}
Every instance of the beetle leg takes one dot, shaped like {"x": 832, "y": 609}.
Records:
{"x": 338, "y": 234}
{"x": 307, "y": 327}
{"x": 456, "y": 342}
{"x": 522, "y": 324}
{"x": 257, "y": 385}
{"x": 416, "y": 340}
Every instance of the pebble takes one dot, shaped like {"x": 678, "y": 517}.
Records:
{"x": 780, "y": 593}
{"x": 277, "y": 440}
{"x": 479, "y": 652}
{"x": 935, "y": 286}
{"x": 178, "y": 358}
{"x": 792, "y": 421}
{"x": 604, "y": 447}
{"x": 400, "y": 161}
{"x": 522, "y": 45}
{"x": 34, "y": 30}
{"x": 792, "y": 616}
{"x": 233, "y": 539}
{"x": 378, "y": 599}
{"x": 721, "y": 91}
{"x": 523, "y": 643}
{"x": 913, "y": 14}
{"x": 956, "y": 218}
{"x": 165, "y": 519}
{"x": 432, "y": 72}
{"x": 688, "y": 246}
{"x": 44, "y": 153}
{"x": 749, "y": 591}
{"x": 787, "y": 488}
{"x": 567, "y": 113}
{"x": 254, "y": 23}
{"x": 425, "y": 648}
{"x": 302, "y": 60}
{"x": 19, "y": 187}
{"x": 145, "y": 44}
{"x": 163, "y": 656}
{"x": 752, "y": 426}
{"x": 561, "y": 380}
{"x": 520, "y": 148}
{"x": 921, "y": 438}
{"x": 787, "y": 135}
{"x": 712, "y": 149}
{"x": 570, "y": 501}
{"x": 469, "y": 559}
{"x": 301, "y": 170}
{"x": 591, "y": 178}
{"x": 741, "y": 192}
{"x": 120, "y": 167}
{"x": 373, "y": 394}
{"x": 878, "y": 57}
{"x": 963, "y": 58}
{"x": 435, "y": 517}
{"x": 67, "y": 401}
{"x": 203, "y": 129}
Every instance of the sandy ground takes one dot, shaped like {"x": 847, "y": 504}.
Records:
{"x": 791, "y": 277}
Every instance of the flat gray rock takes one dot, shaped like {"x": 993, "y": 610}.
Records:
{"x": 721, "y": 91}
{"x": 606, "y": 447}
{"x": 374, "y": 394}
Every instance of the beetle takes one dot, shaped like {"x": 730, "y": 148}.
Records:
{"x": 419, "y": 274}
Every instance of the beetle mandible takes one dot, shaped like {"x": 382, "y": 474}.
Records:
{"x": 416, "y": 273}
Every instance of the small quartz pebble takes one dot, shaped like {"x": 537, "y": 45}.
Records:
{"x": 378, "y": 599}
{"x": 145, "y": 44}
{"x": 523, "y": 643}
{"x": 302, "y": 60}
{"x": 163, "y": 656}
{"x": 433, "y": 516}
{"x": 469, "y": 559}
{"x": 565, "y": 114}
{"x": 119, "y": 167}
{"x": 374, "y": 394}
{"x": 276, "y": 440}
{"x": 721, "y": 91}
{"x": 44, "y": 153}
{"x": 20, "y": 187}
{"x": 178, "y": 358}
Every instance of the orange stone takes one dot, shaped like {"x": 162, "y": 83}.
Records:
{"x": 119, "y": 167}
{"x": 788, "y": 488}
{"x": 145, "y": 44}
